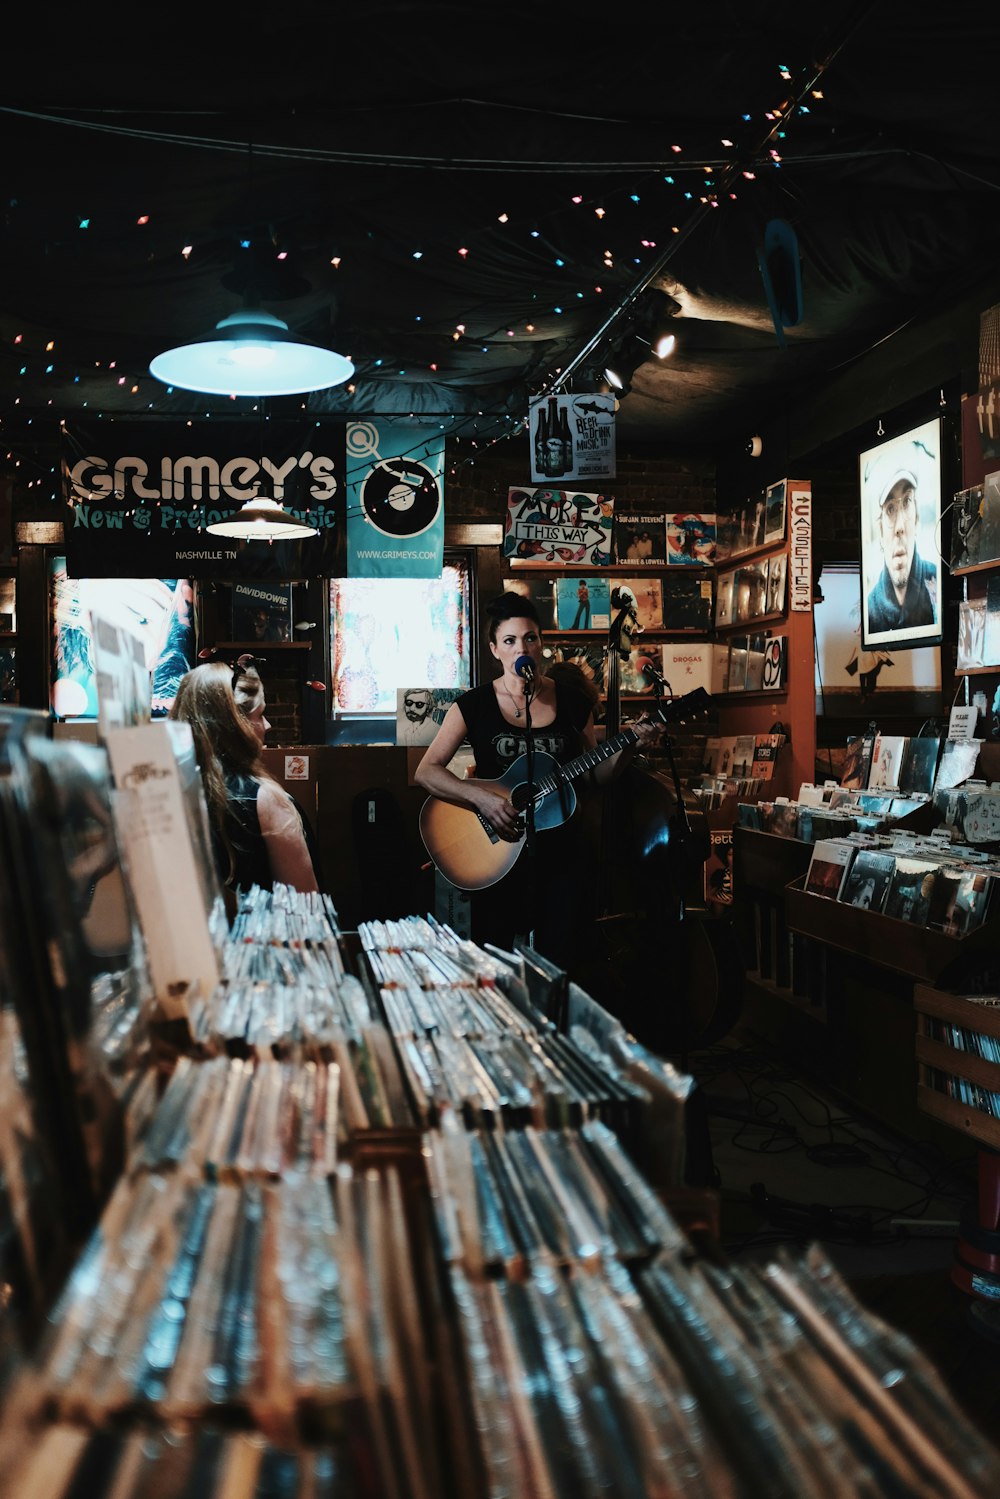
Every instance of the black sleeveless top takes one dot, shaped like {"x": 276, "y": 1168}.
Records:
{"x": 496, "y": 744}
{"x": 246, "y": 861}
{"x": 250, "y": 863}
{"x": 549, "y": 898}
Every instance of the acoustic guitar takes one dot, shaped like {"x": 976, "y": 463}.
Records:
{"x": 467, "y": 849}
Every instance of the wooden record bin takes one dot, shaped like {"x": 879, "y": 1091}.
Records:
{"x": 934, "y": 1006}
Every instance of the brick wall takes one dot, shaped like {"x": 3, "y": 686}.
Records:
{"x": 836, "y": 526}
{"x": 476, "y": 482}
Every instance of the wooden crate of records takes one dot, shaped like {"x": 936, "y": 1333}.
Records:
{"x": 958, "y": 1061}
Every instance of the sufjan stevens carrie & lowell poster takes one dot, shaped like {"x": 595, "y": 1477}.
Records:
{"x": 558, "y": 527}
{"x": 395, "y": 501}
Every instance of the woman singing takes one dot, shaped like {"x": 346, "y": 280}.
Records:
{"x": 546, "y": 899}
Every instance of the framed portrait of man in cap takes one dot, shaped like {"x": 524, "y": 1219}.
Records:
{"x": 900, "y": 482}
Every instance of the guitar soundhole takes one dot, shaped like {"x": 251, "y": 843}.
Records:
{"x": 519, "y": 796}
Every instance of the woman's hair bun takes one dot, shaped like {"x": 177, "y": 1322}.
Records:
{"x": 512, "y": 606}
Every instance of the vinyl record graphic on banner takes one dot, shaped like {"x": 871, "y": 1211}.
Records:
{"x": 400, "y": 498}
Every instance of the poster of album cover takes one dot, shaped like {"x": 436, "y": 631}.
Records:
{"x": 262, "y": 611}
{"x": 420, "y": 712}
{"x": 583, "y": 603}
{"x": 843, "y": 666}
{"x": 646, "y": 596}
{"x": 641, "y": 539}
{"x": 587, "y": 655}
{"x": 541, "y": 592}
{"x": 558, "y": 528}
{"x": 160, "y": 609}
{"x": 691, "y": 540}
{"x": 718, "y": 869}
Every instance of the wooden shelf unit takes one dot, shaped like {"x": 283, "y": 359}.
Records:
{"x": 937, "y": 1055}
{"x": 263, "y": 648}
{"x": 753, "y": 712}
{"x": 619, "y": 569}
{"x": 667, "y": 631}
{"x": 919, "y": 952}
{"x": 978, "y": 571}
{"x": 740, "y": 559}
{"x": 869, "y": 978}
{"x": 749, "y": 626}
{"x": 753, "y": 695}
{"x": 976, "y": 567}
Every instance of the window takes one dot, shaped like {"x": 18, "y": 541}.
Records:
{"x": 157, "y": 609}
{"x": 399, "y": 632}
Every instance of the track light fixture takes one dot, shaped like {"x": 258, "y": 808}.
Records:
{"x": 656, "y": 339}
{"x": 664, "y": 343}
{"x": 623, "y": 361}
{"x": 614, "y": 373}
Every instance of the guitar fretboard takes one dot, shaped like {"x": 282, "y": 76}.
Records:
{"x": 692, "y": 705}
{"x": 587, "y": 761}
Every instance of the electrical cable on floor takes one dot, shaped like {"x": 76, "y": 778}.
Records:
{"x": 770, "y": 1091}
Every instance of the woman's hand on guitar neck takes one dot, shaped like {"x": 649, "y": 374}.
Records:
{"x": 647, "y": 731}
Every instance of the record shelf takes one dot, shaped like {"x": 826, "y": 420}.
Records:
{"x": 372, "y": 1222}
{"x": 958, "y": 1083}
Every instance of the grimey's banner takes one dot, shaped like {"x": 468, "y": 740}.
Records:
{"x": 139, "y": 497}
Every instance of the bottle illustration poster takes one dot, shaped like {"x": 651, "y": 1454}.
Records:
{"x": 572, "y": 437}
{"x": 558, "y": 528}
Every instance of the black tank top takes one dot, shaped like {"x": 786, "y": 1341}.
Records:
{"x": 496, "y": 743}
{"x": 250, "y": 863}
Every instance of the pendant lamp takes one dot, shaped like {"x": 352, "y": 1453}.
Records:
{"x": 261, "y": 519}
{"x": 251, "y": 353}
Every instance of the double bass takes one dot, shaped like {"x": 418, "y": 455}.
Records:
{"x": 659, "y": 961}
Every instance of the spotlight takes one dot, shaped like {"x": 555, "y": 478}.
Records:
{"x": 617, "y": 379}
{"x": 623, "y": 362}
{"x": 660, "y": 311}
{"x": 755, "y": 446}
{"x": 636, "y": 349}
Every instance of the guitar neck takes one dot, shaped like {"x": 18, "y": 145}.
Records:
{"x": 587, "y": 761}
{"x": 692, "y": 705}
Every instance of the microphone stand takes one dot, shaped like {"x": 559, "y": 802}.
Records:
{"x": 681, "y": 817}
{"x": 529, "y": 810}
{"x": 681, "y": 830}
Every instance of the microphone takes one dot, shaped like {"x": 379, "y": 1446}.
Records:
{"x": 525, "y": 668}
{"x": 649, "y": 670}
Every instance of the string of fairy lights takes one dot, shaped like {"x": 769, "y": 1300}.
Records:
{"x": 674, "y": 195}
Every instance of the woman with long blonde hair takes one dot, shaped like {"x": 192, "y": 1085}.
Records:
{"x": 258, "y": 831}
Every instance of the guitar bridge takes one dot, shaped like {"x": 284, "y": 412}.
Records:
{"x": 491, "y": 831}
